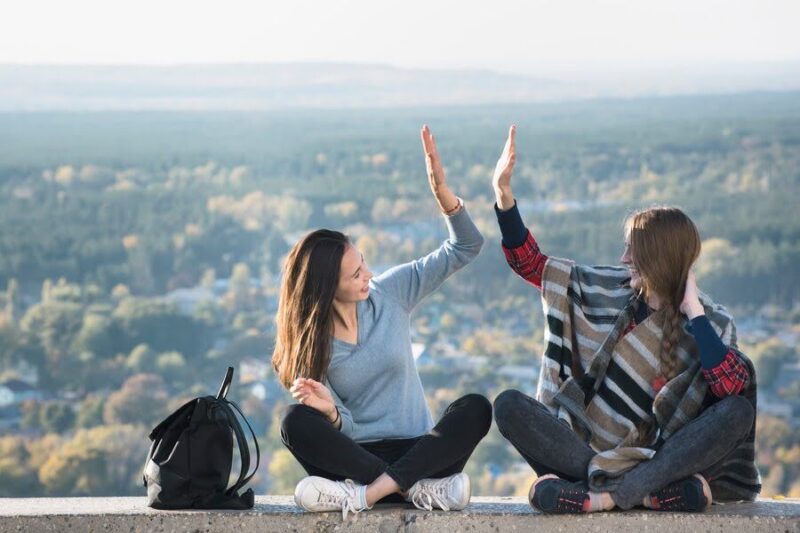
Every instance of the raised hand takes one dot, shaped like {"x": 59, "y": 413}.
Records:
{"x": 501, "y": 181}
{"x": 315, "y": 395}
{"x": 447, "y": 201}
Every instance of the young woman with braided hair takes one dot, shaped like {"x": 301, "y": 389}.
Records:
{"x": 643, "y": 396}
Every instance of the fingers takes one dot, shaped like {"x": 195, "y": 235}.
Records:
{"x": 300, "y": 386}
{"x": 510, "y": 151}
{"x": 303, "y": 388}
{"x": 434, "y": 149}
{"x": 300, "y": 395}
{"x": 429, "y": 146}
{"x": 510, "y": 148}
{"x": 433, "y": 164}
{"x": 427, "y": 141}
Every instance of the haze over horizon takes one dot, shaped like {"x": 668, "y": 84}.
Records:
{"x": 508, "y": 36}
{"x": 272, "y": 86}
{"x": 95, "y": 55}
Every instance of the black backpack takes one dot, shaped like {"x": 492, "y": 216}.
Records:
{"x": 190, "y": 459}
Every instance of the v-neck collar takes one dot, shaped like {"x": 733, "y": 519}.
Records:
{"x": 359, "y": 329}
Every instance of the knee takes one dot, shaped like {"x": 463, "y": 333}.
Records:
{"x": 506, "y": 406}
{"x": 739, "y": 411}
{"x": 481, "y": 410}
{"x": 295, "y": 422}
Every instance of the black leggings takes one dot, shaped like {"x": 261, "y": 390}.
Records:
{"x": 551, "y": 447}
{"x": 324, "y": 451}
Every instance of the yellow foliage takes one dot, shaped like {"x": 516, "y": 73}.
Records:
{"x": 120, "y": 291}
{"x": 257, "y": 210}
{"x": 130, "y": 241}
{"x": 64, "y": 175}
{"x": 380, "y": 159}
{"x": 100, "y": 460}
{"x": 193, "y": 230}
{"x": 284, "y": 472}
{"x": 716, "y": 253}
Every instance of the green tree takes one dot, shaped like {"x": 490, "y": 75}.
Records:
{"x": 90, "y": 411}
{"x": 56, "y": 323}
{"x": 141, "y": 359}
{"x": 141, "y": 400}
{"x": 17, "y": 478}
{"x": 56, "y": 416}
{"x": 97, "y": 461}
{"x": 240, "y": 295}
{"x": 162, "y": 326}
{"x": 768, "y": 357}
{"x": 284, "y": 472}
{"x": 99, "y": 335}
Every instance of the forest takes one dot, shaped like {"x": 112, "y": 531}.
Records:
{"x": 141, "y": 253}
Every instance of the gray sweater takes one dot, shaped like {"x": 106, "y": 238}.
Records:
{"x": 375, "y": 383}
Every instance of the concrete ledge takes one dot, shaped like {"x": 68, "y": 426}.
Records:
{"x": 279, "y": 514}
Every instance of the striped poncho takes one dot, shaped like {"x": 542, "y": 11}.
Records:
{"x": 600, "y": 382}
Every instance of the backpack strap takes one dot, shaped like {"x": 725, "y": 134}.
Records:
{"x": 226, "y": 384}
{"x": 244, "y": 449}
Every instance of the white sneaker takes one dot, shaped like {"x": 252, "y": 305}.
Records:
{"x": 447, "y": 493}
{"x": 317, "y": 494}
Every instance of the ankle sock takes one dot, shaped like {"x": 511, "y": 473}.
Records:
{"x": 361, "y": 495}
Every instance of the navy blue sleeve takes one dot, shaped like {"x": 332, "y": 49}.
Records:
{"x": 512, "y": 228}
{"x": 712, "y": 349}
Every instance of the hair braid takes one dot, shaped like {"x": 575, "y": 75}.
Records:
{"x": 671, "y": 327}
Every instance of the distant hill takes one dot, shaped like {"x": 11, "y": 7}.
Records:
{"x": 243, "y": 87}
{"x": 260, "y": 87}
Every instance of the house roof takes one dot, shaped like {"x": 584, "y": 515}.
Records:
{"x": 17, "y": 385}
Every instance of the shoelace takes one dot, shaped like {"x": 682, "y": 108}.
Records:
{"x": 346, "y": 499}
{"x": 430, "y": 493}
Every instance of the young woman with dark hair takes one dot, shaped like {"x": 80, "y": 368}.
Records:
{"x": 643, "y": 397}
{"x": 362, "y": 428}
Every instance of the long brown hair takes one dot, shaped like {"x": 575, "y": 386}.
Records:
{"x": 304, "y": 318}
{"x": 664, "y": 244}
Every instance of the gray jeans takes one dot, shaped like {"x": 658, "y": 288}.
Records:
{"x": 551, "y": 447}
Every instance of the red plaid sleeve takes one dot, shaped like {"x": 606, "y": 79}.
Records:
{"x": 527, "y": 260}
{"x": 727, "y": 378}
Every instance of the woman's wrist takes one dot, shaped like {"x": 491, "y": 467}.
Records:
{"x": 448, "y": 202}
{"x": 504, "y": 198}
{"x": 694, "y": 310}
{"x": 455, "y": 209}
{"x": 332, "y": 414}
{"x": 337, "y": 418}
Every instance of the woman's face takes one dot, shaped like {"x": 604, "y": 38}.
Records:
{"x": 354, "y": 277}
{"x": 627, "y": 260}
